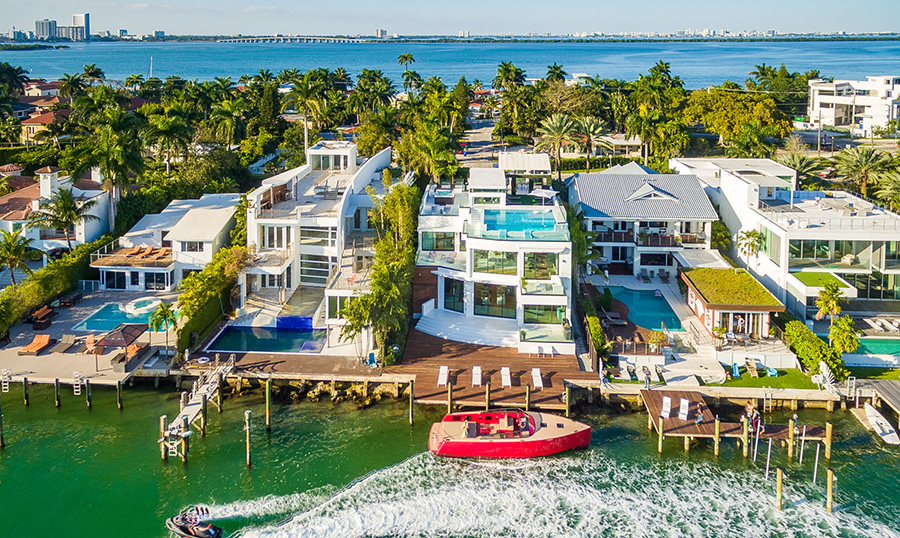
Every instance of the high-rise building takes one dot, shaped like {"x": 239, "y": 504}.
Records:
{"x": 380, "y": 33}
{"x": 73, "y": 33}
{"x": 123, "y": 32}
{"x": 83, "y": 20}
{"x": 45, "y": 29}
{"x": 159, "y": 34}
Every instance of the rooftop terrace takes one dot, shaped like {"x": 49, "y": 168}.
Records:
{"x": 316, "y": 194}
{"x": 828, "y": 210}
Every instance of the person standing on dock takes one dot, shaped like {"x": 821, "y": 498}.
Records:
{"x": 699, "y": 417}
{"x": 646, "y": 377}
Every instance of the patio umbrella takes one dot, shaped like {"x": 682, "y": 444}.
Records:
{"x": 543, "y": 194}
{"x": 124, "y": 335}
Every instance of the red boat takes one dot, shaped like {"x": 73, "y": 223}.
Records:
{"x": 506, "y": 433}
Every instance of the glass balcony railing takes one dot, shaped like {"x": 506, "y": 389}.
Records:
{"x": 533, "y": 287}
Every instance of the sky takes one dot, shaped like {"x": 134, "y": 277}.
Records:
{"x": 479, "y": 17}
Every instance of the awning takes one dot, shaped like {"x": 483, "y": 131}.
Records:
{"x": 124, "y": 335}
{"x": 701, "y": 258}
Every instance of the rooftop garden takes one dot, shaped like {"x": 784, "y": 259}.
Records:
{"x": 729, "y": 287}
{"x": 817, "y": 280}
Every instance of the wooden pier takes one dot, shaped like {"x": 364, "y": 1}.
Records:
{"x": 884, "y": 391}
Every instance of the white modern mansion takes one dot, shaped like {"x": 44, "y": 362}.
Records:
{"x": 493, "y": 266}
{"x": 163, "y": 248}
{"x": 810, "y": 237}
{"x": 644, "y": 224}
{"x": 309, "y": 228}
{"x": 857, "y": 104}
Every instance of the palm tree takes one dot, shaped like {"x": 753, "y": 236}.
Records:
{"x": 10, "y": 129}
{"x": 751, "y": 141}
{"x": 749, "y": 242}
{"x": 829, "y": 302}
{"x": 305, "y": 95}
{"x": 134, "y": 81}
{"x": 62, "y": 212}
{"x": 803, "y": 165}
{"x": 889, "y": 189}
{"x": 264, "y": 75}
{"x": 71, "y": 86}
{"x": 555, "y": 73}
{"x": 592, "y": 130}
{"x": 556, "y": 131}
{"x": 405, "y": 59}
{"x": 164, "y": 317}
{"x": 93, "y": 73}
{"x": 168, "y": 131}
{"x": 844, "y": 335}
{"x": 433, "y": 151}
{"x": 508, "y": 75}
{"x": 13, "y": 77}
{"x": 228, "y": 117}
{"x": 862, "y": 164}
{"x": 642, "y": 123}
{"x": 13, "y": 247}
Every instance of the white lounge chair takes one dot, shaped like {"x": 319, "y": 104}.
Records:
{"x": 505, "y": 377}
{"x": 666, "y": 411}
{"x": 623, "y": 370}
{"x": 895, "y": 323}
{"x": 476, "y": 376}
{"x": 443, "y": 374}
{"x": 683, "y": 409}
{"x": 536, "y": 378}
{"x": 874, "y": 323}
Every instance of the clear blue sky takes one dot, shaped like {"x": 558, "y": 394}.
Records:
{"x": 407, "y": 17}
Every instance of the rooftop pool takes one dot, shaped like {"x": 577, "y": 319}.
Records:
{"x": 110, "y": 316}
{"x": 268, "y": 340}
{"x": 519, "y": 220}
{"x": 645, "y": 309}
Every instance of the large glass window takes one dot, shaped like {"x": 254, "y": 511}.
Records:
{"x": 875, "y": 285}
{"x": 544, "y": 313}
{"x": 314, "y": 269}
{"x": 892, "y": 254}
{"x": 541, "y": 265}
{"x": 192, "y": 246}
{"x": 491, "y": 261}
{"x": 275, "y": 237}
{"x": 454, "y": 292}
{"x": 496, "y": 301}
{"x": 771, "y": 245}
{"x": 438, "y": 241}
{"x": 336, "y": 305}
{"x": 314, "y": 236}
{"x": 155, "y": 281}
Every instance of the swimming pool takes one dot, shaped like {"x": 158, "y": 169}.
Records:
{"x": 519, "y": 221}
{"x": 110, "y": 316}
{"x": 268, "y": 340}
{"x": 878, "y": 346}
{"x": 646, "y": 309}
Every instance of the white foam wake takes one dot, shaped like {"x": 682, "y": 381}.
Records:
{"x": 583, "y": 495}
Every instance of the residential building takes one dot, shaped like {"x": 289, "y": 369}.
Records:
{"x": 123, "y": 32}
{"x": 37, "y": 123}
{"x": 163, "y": 248}
{"x": 621, "y": 145}
{"x": 645, "y": 223}
{"x": 491, "y": 271}
{"x": 314, "y": 245}
{"x": 859, "y": 105}
{"x": 17, "y": 206}
{"x": 83, "y": 20}
{"x": 159, "y": 34}
{"x": 72, "y": 33}
{"x": 809, "y": 237}
{"x": 525, "y": 171}
{"x": 381, "y": 33}
{"x": 45, "y": 29}
{"x": 42, "y": 89}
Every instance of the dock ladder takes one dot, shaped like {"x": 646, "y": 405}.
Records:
{"x": 851, "y": 386}
{"x": 768, "y": 400}
{"x": 78, "y": 381}
{"x": 5, "y": 376}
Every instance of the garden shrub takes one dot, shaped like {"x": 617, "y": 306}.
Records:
{"x": 811, "y": 349}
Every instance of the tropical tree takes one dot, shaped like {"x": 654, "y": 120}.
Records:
{"x": 749, "y": 243}
{"x": 432, "y": 151}
{"x": 228, "y": 118}
{"x": 556, "y": 131}
{"x": 405, "y": 59}
{"x": 583, "y": 250}
{"x": 805, "y": 166}
{"x": 134, "y": 81}
{"x": 844, "y": 335}
{"x": 862, "y": 164}
{"x": 751, "y": 141}
{"x": 13, "y": 246}
{"x": 93, "y": 73}
{"x": 555, "y": 73}
{"x": 13, "y": 77}
{"x": 10, "y": 129}
{"x": 889, "y": 189}
{"x": 62, "y": 212}
{"x": 306, "y": 96}
{"x": 71, "y": 86}
{"x": 829, "y": 301}
{"x": 168, "y": 131}
{"x": 593, "y": 131}
{"x": 508, "y": 75}
{"x": 165, "y": 318}
{"x": 642, "y": 123}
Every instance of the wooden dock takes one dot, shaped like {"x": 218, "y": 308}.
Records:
{"x": 886, "y": 391}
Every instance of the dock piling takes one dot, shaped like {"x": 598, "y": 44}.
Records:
{"x": 779, "y": 476}
{"x": 220, "y": 383}
{"x": 87, "y": 393}
{"x": 25, "y": 390}
{"x": 745, "y": 436}
{"x": 791, "y": 424}
{"x": 56, "y": 390}
{"x": 203, "y": 414}
{"x": 829, "y": 488}
{"x": 802, "y": 444}
{"x": 2, "y": 441}
{"x": 568, "y": 400}
{"x": 449, "y": 398}
{"x": 768, "y": 459}
{"x": 412, "y": 392}
{"x": 716, "y": 443}
{"x": 185, "y": 438}
{"x": 487, "y": 396}
{"x": 269, "y": 404}
{"x": 756, "y": 443}
{"x": 687, "y": 444}
{"x": 828, "y": 428}
{"x": 816, "y": 466}
{"x": 247, "y": 427}
{"x": 119, "y": 395}
{"x": 163, "y": 426}
{"x": 649, "y": 422}
{"x": 659, "y": 448}
{"x": 528, "y": 397}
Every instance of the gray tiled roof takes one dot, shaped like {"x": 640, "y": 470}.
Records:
{"x": 672, "y": 197}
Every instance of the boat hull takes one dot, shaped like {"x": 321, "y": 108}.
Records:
{"x": 881, "y": 425}
{"x": 572, "y": 435}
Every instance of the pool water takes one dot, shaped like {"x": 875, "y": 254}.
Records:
{"x": 519, "y": 221}
{"x": 647, "y": 310}
{"x": 878, "y": 346}
{"x": 110, "y": 316}
{"x": 268, "y": 340}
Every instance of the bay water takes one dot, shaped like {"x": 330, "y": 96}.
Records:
{"x": 336, "y": 471}
{"x": 698, "y": 63}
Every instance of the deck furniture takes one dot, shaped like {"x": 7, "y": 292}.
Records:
{"x": 443, "y": 374}
{"x": 90, "y": 346}
{"x": 505, "y": 377}
{"x": 536, "y": 378}
{"x": 666, "y": 410}
{"x": 40, "y": 343}
{"x": 41, "y": 313}
{"x": 645, "y": 276}
{"x": 751, "y": 367}
{"x": 146, "y": 252}
{"x": 163, "y": 252}
{"x": 683, "y": 409}
{"x": 476, "y": 376}
{"x": 67, "y": 341}
{"x": 70, "y": 299}
{"x": 371, "y": 362}
{"x": 874, "y": 323}
{"x": 663, "y": 276}
{"x": 771, "y": 372}
{"x": 41, "y": 324}
{"x": 134, "y": 251}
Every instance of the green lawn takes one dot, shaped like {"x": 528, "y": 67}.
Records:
{"x": 729, "y": 287}
{"x": 788, "y": 378}
{"x": 892, "y": 374}
{"x": 817, "y": 280}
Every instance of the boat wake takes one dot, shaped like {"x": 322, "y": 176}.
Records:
{"x": 588, "y": 494}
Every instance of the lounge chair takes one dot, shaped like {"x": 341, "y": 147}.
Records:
{"x": 44, "y": 312}
{"x": 146, "y": 252}
{"x": 684, "y": 409}
{"x": 771, "y": 372}
{"x": 874, "y": 323}
{"x": 40, "y": 343}
{"x": 443, "y": 374}
{"x": 751, "y": 367}
{"x": 666, "y": 410}
{"x": 70, "y": 299}
{"x": 371, "y": 362}
{"x": 134, "y": 251}
{"x": 476, "y": 376}
{"x": 90, "y": 346}
{"x": 163, "y": 252}
{"x": 505, "y": 377}
{"x": 67, "y": 341}
{"x": 536, "y": 378}
{"x": 663, "y": 276}
{"x": 645, "y": 276}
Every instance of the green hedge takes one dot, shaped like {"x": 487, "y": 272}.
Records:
{"x": 594, "y": 327}
{"x": 597, "y": 163}
{"x": 811, "y": 349}
{"x": 203, "y": 320}
{"x": 604, "y": 301}
{"x": 48, "y": 283}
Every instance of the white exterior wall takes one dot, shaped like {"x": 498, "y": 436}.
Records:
{"x": 881, "y": 105}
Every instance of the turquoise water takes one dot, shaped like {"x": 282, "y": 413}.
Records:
{"x": 647, "y": 310}
{"x": 268, "y": 340}
{"x": 698, "y": 64}
{"x": 335, "y": 471}
{"x": 110, "y": 316}
{"x": 878, "y": 346}
{"x": 519, "y": 221}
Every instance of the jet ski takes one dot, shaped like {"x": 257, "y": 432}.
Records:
{"x": 190, "y": 524}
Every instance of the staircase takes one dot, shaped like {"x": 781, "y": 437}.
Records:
{"x": 477, "y": 331}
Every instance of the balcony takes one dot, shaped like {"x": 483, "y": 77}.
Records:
{"x": 543, "y": 288}
{"x": 693, "y": 239}
{"x": 658, "y": 241}
{"x": 614, "y": 237}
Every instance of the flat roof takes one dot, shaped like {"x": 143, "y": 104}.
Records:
{"x": 744, "y": 166}
{"x": 487, "y": 178}
{"x": 815, "y": 279}
{"x": 201, "y": 224}
{"x": 831, "y": 211}
{"x": 518, "y": 160}
{"x": 169, "y": 217}
{"x": 696, "y": 257}
{"x": 729, "y": 288}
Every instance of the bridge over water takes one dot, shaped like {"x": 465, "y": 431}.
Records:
{"x": 289, "y": 39}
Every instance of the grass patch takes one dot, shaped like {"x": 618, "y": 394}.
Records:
{"x": 729, "y": 287}
{"x": 817, "y": 280}
{"x": 890, "y": 374}
{"x": 788, "y": 378}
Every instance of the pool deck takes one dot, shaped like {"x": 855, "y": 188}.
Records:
{"x": 47, "y": 367}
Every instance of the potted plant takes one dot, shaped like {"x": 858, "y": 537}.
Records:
{"x": 719, "y": 333}
{"x": 522, "y": 335}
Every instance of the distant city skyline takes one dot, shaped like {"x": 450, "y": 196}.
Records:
{"x": 350, "y": 17}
